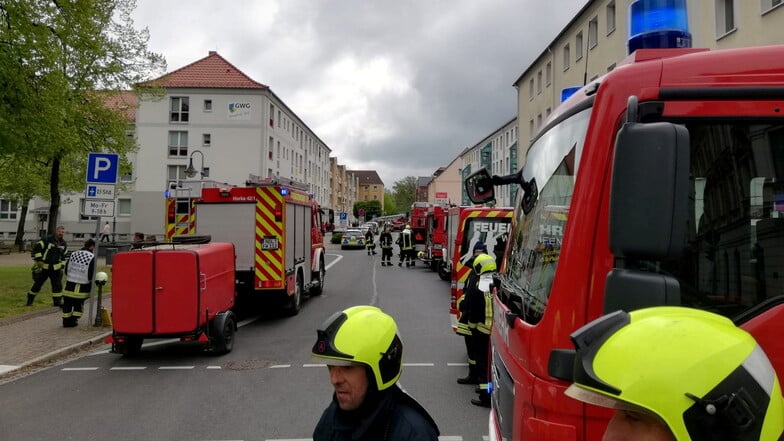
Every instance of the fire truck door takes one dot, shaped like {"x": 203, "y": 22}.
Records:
{"x": 177, "y": 291}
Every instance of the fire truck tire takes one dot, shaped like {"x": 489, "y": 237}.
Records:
{"x": 223, "y": 327}
{"x": 320, "y": 277}
{"x": 295, "y": 302}
{"x": 443, "y": 271}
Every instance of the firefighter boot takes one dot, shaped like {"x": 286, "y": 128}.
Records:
{"x": 30, "y": 299}
{"x": 482, "y": 401}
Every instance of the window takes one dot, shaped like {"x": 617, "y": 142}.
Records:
{"x": 548, "y": 73}
{"x": 123, "y": 207}
{"x": 725, "y": 17}
{"x": 531, "y": 88}
{"x": 208, "y": 105}
{"x": 578, "y": 46}
{"x": 8, "y": 209}
{"x": 610, "y": 67}
{"x": 272, "y": 116}
{"x": 127, "y": 177}
{"x": 539, "y": 82}
{"x": 610, "y": 15}
{"x": 566, "y": 56}
{"x": 175, "y": 173}
{"x": 206, "y": 139}
{"x": 179, "y": 109}
{"x": 178, "y": 143}
{"x": 593, "y": 32}
{"x": 767, "y": 5}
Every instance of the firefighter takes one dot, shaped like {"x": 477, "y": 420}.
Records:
{"x": 385, "y": 239}
{"x": 462, "y": 324}
{"x": 48, "y": 262}
{"x": 406, "y": 244}
{"x": 674, "y": 373}
{"x": 370, "y": 243}
{"x": 364, "y": 355}
{"x": 479, "y": 309}
{"x": 78, "y": 283}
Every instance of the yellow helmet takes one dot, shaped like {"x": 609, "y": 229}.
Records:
{"x": 484, "y": 263}
{"x": 364, "y": 335}
{"x": 701, "y": 375}
{"x": 421, "y": 254}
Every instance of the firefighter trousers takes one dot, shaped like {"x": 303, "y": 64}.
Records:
{"x": 73, "y": 309}
{"x": 42, "y": 276}
{"x": 479, "y": 350}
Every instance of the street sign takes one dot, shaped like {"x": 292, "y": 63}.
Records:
{"x": 98, "y": 208}
{"x": 99, "y": 191}
{"x": 343, "y": 216}
{"x": 102, "y": 168}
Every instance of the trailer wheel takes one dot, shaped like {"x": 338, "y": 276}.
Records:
{"x": 130, "y": 347}
{"x": 321, "y": 277}
{"x": 443, "y": 271}
{"x": 222, "y": 341}
{"x": 295, "y": 302}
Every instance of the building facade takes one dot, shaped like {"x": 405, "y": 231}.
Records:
{"x": 370, "y": 186}
{"x": 497, "y": 153}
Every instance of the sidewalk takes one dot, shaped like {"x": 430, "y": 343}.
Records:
{"x": 37, "y": 339}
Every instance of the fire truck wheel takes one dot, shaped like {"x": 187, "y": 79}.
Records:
{"x": 295, "y": 302}
{"x": 223, "y": 327}
{"x": 320, "y": 278}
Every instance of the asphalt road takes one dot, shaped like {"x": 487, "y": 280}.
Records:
{"x": 267, "y": 388}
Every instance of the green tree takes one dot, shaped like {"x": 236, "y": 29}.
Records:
{"x": 60, "y": 63}
{"x": 372, "y": 208}
{"x": 390, "y": 205}
{"x": 405, "y": 192}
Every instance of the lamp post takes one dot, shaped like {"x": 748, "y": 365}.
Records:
{"x": 100, "y": 280}
{"x": 191, "y": 171}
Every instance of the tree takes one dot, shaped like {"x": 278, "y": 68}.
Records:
{"x": 390, "y": 206}
{"x": 405, "y": 192}
{"x": 372, "y": 208}
{"x": 60, "y": 62}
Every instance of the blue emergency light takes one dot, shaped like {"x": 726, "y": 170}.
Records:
{"x": 284, "y": 191}
{"x": 569, "y": 91}
{"x": 656, "y": 24}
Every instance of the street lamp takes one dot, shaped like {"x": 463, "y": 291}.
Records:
{"x": 191, "y": 170}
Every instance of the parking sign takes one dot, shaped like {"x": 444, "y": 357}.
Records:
{"x": 102, "y": 168}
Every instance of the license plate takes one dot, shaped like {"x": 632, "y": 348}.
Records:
{"x": 269, "y": 243}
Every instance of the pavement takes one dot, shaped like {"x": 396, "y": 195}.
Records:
{"x": 37, "y": 340}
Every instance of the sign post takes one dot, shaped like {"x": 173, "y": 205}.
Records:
{"x": 99, "y": 201}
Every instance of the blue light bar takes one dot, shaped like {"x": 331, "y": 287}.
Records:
{"x": 568, "y": 91}
{"x": 658, "y": 24}
{"x": 284, "y": 191}
{"x": 166, "y": 193}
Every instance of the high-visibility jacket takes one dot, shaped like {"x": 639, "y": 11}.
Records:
{"x": 49, "y": 253}
{"x": 385, "y": 239}
{"x": 78, "y": 274}
{"x": 404, "y": 240}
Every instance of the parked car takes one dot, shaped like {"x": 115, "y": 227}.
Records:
{"x": 352, "y": 239}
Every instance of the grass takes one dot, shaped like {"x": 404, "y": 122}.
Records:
{"x": 15, "y": 282}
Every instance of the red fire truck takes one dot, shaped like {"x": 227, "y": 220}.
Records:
{"x": 417, "y": 219}
{"x": 664, "y": 180}
{"x": 436, "y": 237}
{"x": 276, "y": 230}
{"x": 465, "y": 227}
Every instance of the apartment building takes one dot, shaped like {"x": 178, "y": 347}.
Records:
{"x": 497, "y": 152}
{"x": 370, "y": 186}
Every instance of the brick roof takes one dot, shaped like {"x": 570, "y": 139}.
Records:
{"x": 367, "y": 177}
{"x": 211, "y": 72}
{"x": 125, "y": 101}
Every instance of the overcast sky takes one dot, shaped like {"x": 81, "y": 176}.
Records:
{"x": 400, "y": 87}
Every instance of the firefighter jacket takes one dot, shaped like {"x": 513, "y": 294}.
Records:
{"x": 463, "y": 327}
{"x": 478, "y": 306}
{"x": 391, "y": 415}
{"x": 385, "y": 239}
{"x": 78, "y": 274}
{"x": 369, "y": 239}
{"x": 405, "y": 241}
{"x": 49, "y": 253}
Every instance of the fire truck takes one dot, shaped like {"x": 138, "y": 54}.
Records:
{"x": 660, "y": 183}
{"x": 417, "y": 219}
{"x": 465, "y": 227}
{"x": 435, "y": 238}
{"x": 276, "y": 230}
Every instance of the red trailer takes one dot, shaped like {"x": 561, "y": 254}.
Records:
{"x": 174, "y": 291}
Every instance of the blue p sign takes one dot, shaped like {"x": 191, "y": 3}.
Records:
{"x": 102, "y": 168}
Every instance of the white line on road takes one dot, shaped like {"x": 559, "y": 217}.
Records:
{"x": 128, "y": 368}
{"x": 81, "y": 369}
{"x": 457, "y": 364}
{"x": 175, "y": 368}
{"x": 419, "y": 364}
{"x": 280, "y": 366}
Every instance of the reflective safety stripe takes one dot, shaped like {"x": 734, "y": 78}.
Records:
{"x": 486, "y": 326}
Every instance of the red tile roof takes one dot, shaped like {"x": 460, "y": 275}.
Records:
{"x": 211, "y": 72}
{"x": 125, "y": 101}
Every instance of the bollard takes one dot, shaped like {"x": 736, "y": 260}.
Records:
{"x": 100, "y": 281}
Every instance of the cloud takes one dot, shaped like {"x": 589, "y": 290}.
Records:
{"x": 399, "y": 87}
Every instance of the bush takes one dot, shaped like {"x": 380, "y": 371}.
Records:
{"x": 336, "y": 237}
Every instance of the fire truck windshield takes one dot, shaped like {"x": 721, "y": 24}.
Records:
{"x": 536, "y": 244}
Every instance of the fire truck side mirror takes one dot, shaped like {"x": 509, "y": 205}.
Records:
{"x": 479, "y": 187}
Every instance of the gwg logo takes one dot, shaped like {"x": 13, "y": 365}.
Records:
{"x": 234, "y": 107}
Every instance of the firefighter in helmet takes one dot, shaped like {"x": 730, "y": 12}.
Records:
{"x": 370, "y": 242}
{"x": 462, "y": 324}
{"x": 48, "y": 262}
{"x": 406, "y": 242}
{"x": 478, "y": 307}
{"x": 385, "y": 239}
{"x": 364, "y": 355}
{"x": 78, "y": 283}
{"x": 677, "y": 374}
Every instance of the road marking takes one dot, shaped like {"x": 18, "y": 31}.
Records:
{"x": 419, "y": 364}
{"x": 128, "y": 368}
{"x": 81, "y": 369}
{"x": 175, "y": 368}
{"x": 217, "y": 367}
{"x": 7, "y": 368}
{"x": 214, "y": 367}
{"x": 314, "y": 365}
{"x": 457, "y": 364}
{"x": 280, "y": 366}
